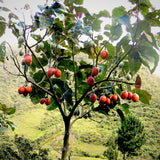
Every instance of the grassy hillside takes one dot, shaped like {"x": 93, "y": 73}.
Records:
{"x": 88, "y": 138}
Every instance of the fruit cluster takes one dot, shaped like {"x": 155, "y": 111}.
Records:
{"x": 47, "y": 101}
{"x": 25, "y": 90}
{"x": 55, "y": 72}
{"x": 128, "y": 95}
{"x": 103, "y": 99}
{"x": 27, "y": 59}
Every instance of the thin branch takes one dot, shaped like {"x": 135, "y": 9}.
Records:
{"x": 39, "y": 40}
{"x": 79, "y": 117}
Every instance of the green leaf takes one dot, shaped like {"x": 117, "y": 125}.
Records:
{"x": 61, "y": 84}
{"x": 52, "y": 106}
{"x": 144, "y": 96}
{"x": 118, "y": 12}
{"x": 36, "y": 37}
{"x": 2, "y": 51}
{"x": 116, "y": 32}
{"x": 97, "y": 25}
{"x": 79, "y": 2}
{"x": 153, "y": 18}
{"x": 36, "y": 94}
{"x": 45, "y": 21}
{"x": 111, "y": 50}
{"x": 68, "y": 96}
{"x": 2, "y": 28}
{"x": 4, "y": 9}
{"x": 12, "y": 125}
{"x": 12, "y": 15}
{"x": 149, "y": 56}
{"x": 10, "y": 111}
{"x": 68, "y": 64}
{"x": 103, "y": 13}
{"x": 124, "y": 43}
{"x": 125, "y": 20}
{"x": 134, "y": 61}
{"x": 81, "y": 10}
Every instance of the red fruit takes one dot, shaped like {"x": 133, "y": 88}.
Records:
{"x": 115, "y": 97}
{"x": 28, "y": 60}
{"x": 90, "y": 81}
{"x": 42, "y": 100}
{"x": 102, "y": 100}
{"x": 21, "y": 90}
{"x": 93, "y": 98}
{"x": 129, "y": 96}
{"x": 124, "y": 94}
{"x": 108, "y": 101}
{"x": 135, "y": 97}
{"x": 50, "y": 72}
{"x": 57, "y": 73}
{"x": 28, "y": 89}
{"x": 47, "y": 101}
{"x": 79, "y": 15}
{"x": 95, "y": 71}
{"x": 27, "y": 54}
{"x": 104, "y": 54}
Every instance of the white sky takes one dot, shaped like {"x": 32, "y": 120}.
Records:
{"x": 93, "y": 6}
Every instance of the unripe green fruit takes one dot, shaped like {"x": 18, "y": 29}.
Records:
{"x": 41, "y": 45}
{"x": 20, "y": 39}
{"x": 21, "y": 53}
{"x": 52, "y": 45}
{"x": 121, "y": 64}
{"x": 128, "y": 76}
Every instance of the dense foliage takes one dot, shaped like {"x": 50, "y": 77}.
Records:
{"x": 73, "y": 82}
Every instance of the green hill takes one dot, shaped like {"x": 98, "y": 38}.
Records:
{"x": 88, "y": 137}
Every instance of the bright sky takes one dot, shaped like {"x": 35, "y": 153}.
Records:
{"x": 93, "y": 6}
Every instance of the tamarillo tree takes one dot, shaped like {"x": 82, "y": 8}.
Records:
{"x": 63, "y": 31}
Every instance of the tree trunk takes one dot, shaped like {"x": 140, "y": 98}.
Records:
{"x": 66, "y": 140}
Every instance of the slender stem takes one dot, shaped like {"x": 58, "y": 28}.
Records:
{"x": 75, "y": 76}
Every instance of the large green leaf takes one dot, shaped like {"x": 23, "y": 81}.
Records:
{"x": 149, "y": 56}
{"x": 103, "y": 13}
{"x": 118, "y": 12}
{"x": 144, "y": 96}
{"x": 97, "y": 25}
{"x": 2, "y": 51}
{"x": 111, "y": 50}
{"x": 52, "y": 106}
{"x": 124, "y": 43}
{"x": 116, "y": 32}
{"x": 134, "y": 61}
